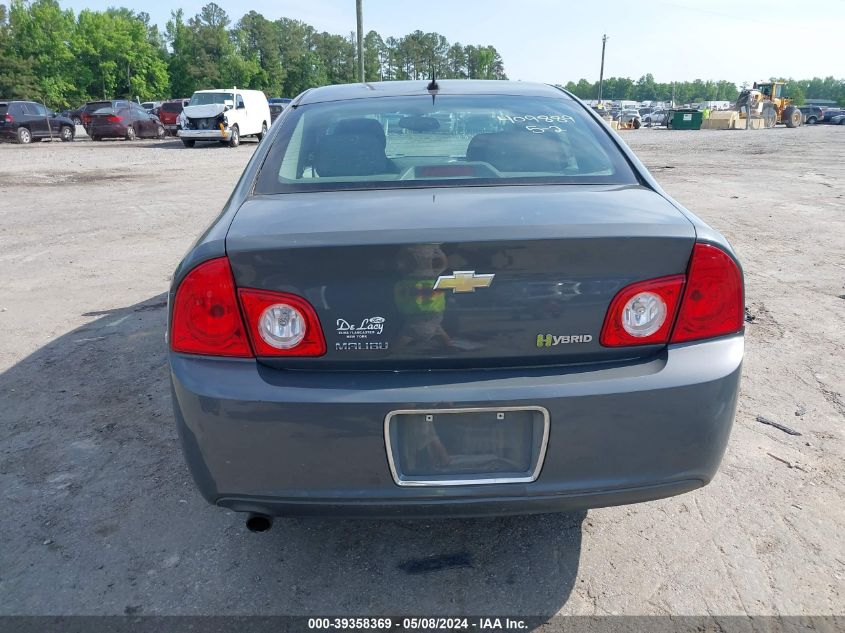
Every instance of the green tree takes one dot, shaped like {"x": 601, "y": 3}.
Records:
{"x": 17, "y": 75}
{"x": 375, "y": 56}
{"x": 118, "y": 56}
{"x": 205, "y": 55}
{"x": 258, "y": 42}
{"x": 41, "y": 32}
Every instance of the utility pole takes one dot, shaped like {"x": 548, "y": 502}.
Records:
{"x": 601, "y": 73}
{"x": 359, "y": 14}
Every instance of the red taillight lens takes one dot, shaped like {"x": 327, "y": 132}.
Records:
{"x": 281, "y": 324}
{"x": 708, "y": 302}
{"x": 642, "y": 313}
{"x": 713, "y": 298}
{"x": 113, "y": 118}
{"x": 9, "y": 118}
{"x": 206, "y": 318}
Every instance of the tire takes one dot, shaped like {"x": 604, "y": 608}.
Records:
{"x": 812, "y": 120}
{"x": 95, "y": 138}
{"x": 770, "y": 115}
{"x": 263, "y": 132}
{"x": 637, "y": 124}
{"x": 235, "y": 137}
{"x": 160, "y": 132}
{"x": 24, "y": 136}
{"x": 130, "y": 133}
{"x": 66, "y": 134}
{"x": 188, "y": 142}
{"x": 792, "y": 116}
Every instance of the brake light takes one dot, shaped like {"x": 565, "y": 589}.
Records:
{"x": 642, "y": 313}
{"x": 281, "y": 324}
{"x": 9, "y": 118}
{"x": 705, "y": 303}
{"x": 713, "y": 302}
{"x": 113, "y": 118}
{"x": 206, "y": 318}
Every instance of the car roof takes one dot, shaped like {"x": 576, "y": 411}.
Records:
{"x": 227, "y": 90}
{"x": 445, "y": 87}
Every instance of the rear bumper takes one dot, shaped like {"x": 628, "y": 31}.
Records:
{"x": 305, "y": 442}
{"x": 107, "y": 130}
{"x": 204, "y": 135}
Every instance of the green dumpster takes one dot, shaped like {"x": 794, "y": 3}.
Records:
{"x": 687, "y": 119}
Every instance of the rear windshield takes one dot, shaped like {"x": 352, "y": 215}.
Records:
{"x": 96, "y": 105}
{"x": 172, "y": 107}
{"x": 449, "y": 140}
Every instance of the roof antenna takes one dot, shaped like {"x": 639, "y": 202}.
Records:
{"x": 432, "y": 86}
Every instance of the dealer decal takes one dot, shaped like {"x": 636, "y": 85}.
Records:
{"x": 359, "y": 335}
{"x": 370, "y": 325}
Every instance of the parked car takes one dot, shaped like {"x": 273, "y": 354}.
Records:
{"x": 812, "y": 114}
{"x": 92, "y": 106}
{"x": 74, "y": 114}
{"x": 151, "y": 106}
{"x": 277, "y": 106}
{"x": 129, "y": 121}
{"x": 839, "y": 119}
{"x": 25, "y": 121}
{"x": 631, "y": 117}
{"x": 656, "y": 117}
{"x": 169, "y": 112}
{"x": 330, "y": 355}
{"x": 830, "y": 113}
{"x": 224, "y": 115}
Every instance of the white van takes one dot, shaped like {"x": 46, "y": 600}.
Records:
{"x": 224, "y": 115}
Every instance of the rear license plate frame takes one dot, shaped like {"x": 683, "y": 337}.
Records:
{"x": 420, "y": 481}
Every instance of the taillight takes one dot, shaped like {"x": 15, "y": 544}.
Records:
{"x": 9, "y": 118}
{"x": 643, "y": 313}
{"x": 705, "y": 303}
{"x": 713, "y": 299}
{"x": 113, "y": 118}
{"x": 281, "y": 324}
{"x": 206, "y": 318}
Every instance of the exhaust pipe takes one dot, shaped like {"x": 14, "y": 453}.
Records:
{"x": 258, "y": 522}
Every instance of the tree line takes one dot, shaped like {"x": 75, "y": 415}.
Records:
{"x": 52, "y": 55}
{"x": 647, "y": 89}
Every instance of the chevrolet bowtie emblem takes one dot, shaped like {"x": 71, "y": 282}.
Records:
{"x": 463, "y": 281}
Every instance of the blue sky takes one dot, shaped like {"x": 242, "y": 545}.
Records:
{"x": 557, "y": 40}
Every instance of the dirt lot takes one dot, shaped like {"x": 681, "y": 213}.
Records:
{"x": 99, "y": 515}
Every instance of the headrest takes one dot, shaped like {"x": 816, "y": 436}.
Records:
{"x": 516, "y": 151}
{"x": 356, "y": 148}
{"x": 362, "y": 127}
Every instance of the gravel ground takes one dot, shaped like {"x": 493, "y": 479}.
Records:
{"x": 99, "y": 515}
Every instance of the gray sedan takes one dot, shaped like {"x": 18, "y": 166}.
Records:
{"x": 394, "y": 316}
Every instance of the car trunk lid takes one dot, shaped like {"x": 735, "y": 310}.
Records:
{"x": 526, "y": 274}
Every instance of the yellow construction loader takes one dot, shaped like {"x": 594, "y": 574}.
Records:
{"x": 768, "y": 101}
